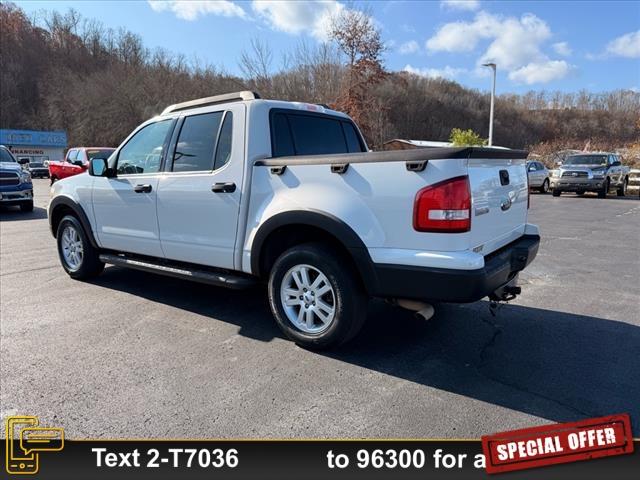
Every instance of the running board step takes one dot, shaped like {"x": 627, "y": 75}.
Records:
{"x": 221, "y": 279}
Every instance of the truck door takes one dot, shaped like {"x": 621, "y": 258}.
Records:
{"x": 67, "y": 163}
{"x": 199, "y": 194}
{"x": 125, "y": 205}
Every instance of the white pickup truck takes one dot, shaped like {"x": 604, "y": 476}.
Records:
{"x": 234, "y": 190}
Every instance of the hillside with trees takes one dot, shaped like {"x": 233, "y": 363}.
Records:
{"x": 65, "y": 72}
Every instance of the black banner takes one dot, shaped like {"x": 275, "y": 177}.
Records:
{"x": 295, "y": 460}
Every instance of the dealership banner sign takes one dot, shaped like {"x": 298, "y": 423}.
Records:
{"x": 44, "y": 452}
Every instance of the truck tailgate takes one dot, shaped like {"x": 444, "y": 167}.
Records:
{"x": 499, "y": 196}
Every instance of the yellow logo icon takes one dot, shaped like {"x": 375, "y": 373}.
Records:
{"x": 25, "y": 441}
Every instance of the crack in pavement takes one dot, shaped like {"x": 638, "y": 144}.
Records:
{"x": 497, "y": 331}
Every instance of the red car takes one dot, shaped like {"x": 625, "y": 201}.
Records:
{"x": 77, "y": 161}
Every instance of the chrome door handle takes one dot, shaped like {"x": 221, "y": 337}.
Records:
{"x": 146, "y": 188}
{"x": 228, "y": 187}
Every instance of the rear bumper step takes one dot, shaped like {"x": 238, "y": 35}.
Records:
{"x": 179, "y": 270}
{"x": 457, "y": 286}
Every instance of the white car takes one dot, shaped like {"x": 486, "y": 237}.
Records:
{"x": 232, "y": 190}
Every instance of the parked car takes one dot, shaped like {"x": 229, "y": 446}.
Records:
{"x": 538, "y": 176}
{"x": 591, "y": 172}
{"x": 234, "y": 190}
{"x": 16, "y": 187}
{"x": 37, "y": 169}
{"x": 76, "y": 161}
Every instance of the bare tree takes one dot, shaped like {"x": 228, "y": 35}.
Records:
{"x": 255, "y": 64}
{"x": 360, "y": 40}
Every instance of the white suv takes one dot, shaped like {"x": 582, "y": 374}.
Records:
{"x": 232, "y": 190}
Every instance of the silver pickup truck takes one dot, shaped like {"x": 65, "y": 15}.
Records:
{"x": 591, "y": 172}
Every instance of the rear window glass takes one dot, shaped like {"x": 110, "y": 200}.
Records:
{"x": 300, "y": 134}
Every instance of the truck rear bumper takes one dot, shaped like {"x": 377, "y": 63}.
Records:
{"x": 458, "y": 286}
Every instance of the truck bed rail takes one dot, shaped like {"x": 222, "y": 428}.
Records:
{"x": 415, "y": 159}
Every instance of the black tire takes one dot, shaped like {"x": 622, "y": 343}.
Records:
{"x": 555, "y": 192}
{"x": 348, "y": 295}
{"x": 26, "y": 206}
{"x": 90, "y": 266}
{"x": 580, "y": 192}
{"x": 605, "y": 189}
{"x": 544, "y": 188}
{"x": 622, "y": 190}
{"x": 53, "y": 180}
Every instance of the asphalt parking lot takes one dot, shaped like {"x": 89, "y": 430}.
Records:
{"x": 138, "y": 356}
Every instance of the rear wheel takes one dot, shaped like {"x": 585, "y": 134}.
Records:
{"x": 579, "y": 192}
{"x": 622, "y": 191}
{"x": 316, "y": 298}
{"x": 78, "y": 257}
{"x": 53, "y": 179}
{"x": 555, "y": 192}
{"x": 545, "y": 186}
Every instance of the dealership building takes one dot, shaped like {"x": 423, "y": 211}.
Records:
{"x": 37, "y": 146}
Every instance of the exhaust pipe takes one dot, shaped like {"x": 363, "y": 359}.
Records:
{"x": 422, "y": 309}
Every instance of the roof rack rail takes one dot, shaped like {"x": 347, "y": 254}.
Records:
{"x": 206, "y": 101}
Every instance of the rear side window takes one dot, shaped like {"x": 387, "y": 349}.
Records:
{"x": 281, "y": 134}
{"x": 353, "y": 140}
{"x": 305, "y": 134}
{"x": 223, "y": 152}
{"x": 196, "y": 143}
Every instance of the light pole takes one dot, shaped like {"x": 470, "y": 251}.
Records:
{"x": 493, "y": 94}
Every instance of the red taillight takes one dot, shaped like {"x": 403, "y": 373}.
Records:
{"x": 444, "y": 207}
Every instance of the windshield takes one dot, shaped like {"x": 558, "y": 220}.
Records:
{"x": 100, "y": 153}
{"x": 586, "y": 160}
{"x": 5, "y": 156}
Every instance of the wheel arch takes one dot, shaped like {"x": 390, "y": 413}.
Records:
{"x": 287, "y": 229}
{"x": 61, "y": 206}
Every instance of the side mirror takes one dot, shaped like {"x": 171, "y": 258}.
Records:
{"x": 98, "y": 167}
{"x": 23, "y": 161}
{"x": 531, "y": 168}
{"x": 78, "y": 163}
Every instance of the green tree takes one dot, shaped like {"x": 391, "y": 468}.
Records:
{"x": 466, "y": 138}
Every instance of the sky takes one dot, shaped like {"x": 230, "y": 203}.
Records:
{"x": 551, "y": 45}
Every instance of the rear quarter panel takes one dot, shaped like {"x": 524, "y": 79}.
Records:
{"x": 374, "y": 199}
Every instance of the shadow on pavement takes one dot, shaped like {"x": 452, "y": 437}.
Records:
{"x": 554, "y": 365}
{"x": 13, "y": 213}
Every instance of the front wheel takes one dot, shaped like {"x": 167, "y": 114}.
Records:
{"x": 316, "y": 298}
{"x": 622, "y": 190}
{"x": 555, "y": 192}
{"x": 545, "y": 186}
{"x": 605, "y": 189}
{"x": 78, "y": 257}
